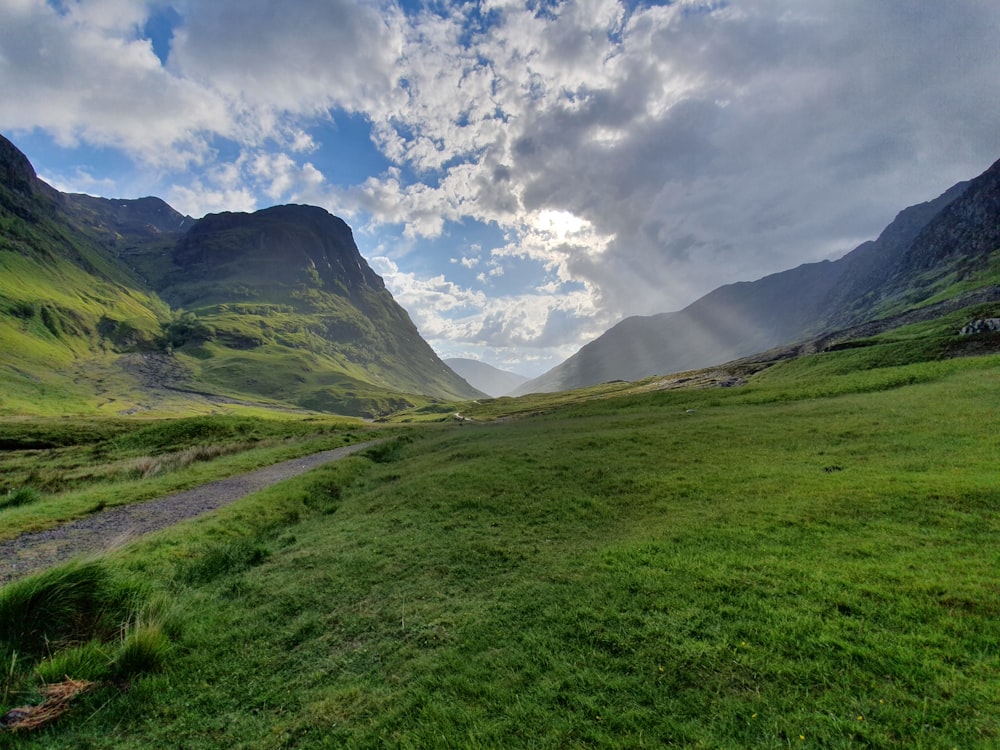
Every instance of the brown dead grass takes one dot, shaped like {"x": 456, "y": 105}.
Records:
{"x": 58, "y": 697}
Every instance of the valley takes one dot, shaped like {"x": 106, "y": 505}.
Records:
{"x": 792, "y": 543}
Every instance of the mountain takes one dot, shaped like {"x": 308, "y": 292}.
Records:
{"x": 944, "y": 249}
{"x": 289, "y": 282}
{"x": 484, "y": 377}
{"x": 127, "y": 305}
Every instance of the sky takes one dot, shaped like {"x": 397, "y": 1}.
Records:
{"x": 523, "y": 175}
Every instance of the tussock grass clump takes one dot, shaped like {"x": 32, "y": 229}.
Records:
{"x": 220, "y": 559}
{"x": 146, "y": 466}
{"x": 144, "y": 648}
{"x": 149, "y": 466}
{"x": 88, "y": 661}
{"x": 64, "y": 604}
{"x": 71, "y": 629}
{"x": 18, "y": 497}
{"x": 389, "y": 451}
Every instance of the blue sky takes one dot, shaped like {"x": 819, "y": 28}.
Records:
{"x": 522, "y": 175}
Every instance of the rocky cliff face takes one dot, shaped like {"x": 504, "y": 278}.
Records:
{"x": 966, "y": 230}
{"x": 16, "y": 173}
{"x": 281, "y": 244}
{"x": 21, "y": 192}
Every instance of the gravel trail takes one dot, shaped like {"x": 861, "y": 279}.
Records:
{"x": 35, "y": 551}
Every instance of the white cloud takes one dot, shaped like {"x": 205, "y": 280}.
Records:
{"x": 198, "y": 199}
{"x": 80, "y": 181}
{"x": 300, "y": 60}
{"x": 547, "y": 322}
{"x": 283, "y": 179}
{"x": 84, "y": 75}
{"x": 244, "y": 180}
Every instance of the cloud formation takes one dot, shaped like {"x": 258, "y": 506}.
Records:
{"x": 638, "y": 155}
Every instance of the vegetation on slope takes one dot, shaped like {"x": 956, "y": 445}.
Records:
{"x": 290, "y": 278}
{"x": 66, "y": 305}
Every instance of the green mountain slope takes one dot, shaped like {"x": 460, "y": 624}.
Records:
{"x": 126, "y": 305}
{"x": 66, "y": 304}
{"x": 287, "y": 285}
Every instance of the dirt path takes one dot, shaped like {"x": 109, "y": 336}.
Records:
{"x": 32, "y": 552}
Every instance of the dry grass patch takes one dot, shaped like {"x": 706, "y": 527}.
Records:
{"x": 57, "y": 702}
{"x": 148, "y": 466}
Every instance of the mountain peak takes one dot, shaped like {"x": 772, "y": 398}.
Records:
{"x": 145, "y": 217}
{"x": 16, "y": 171}
{"x": 21, "y": 192}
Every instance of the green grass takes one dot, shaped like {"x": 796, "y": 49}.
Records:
{"x": 20, "y": 496}
{"x": 80, "y": 621}
{"x": 59, "y": 324}
{"x": 809, "y": 561}
{"x": 310, "y": 380}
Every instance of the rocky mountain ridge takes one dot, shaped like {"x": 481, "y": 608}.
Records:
{"x": 942, "y": 247}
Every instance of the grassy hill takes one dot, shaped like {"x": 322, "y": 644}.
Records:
{"x": 807, "y": 560}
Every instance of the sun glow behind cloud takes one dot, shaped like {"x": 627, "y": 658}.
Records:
{"x": 605, "y": 158}
{"x": 560, "y": 224}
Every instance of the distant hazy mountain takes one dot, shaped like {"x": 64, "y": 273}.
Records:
{"x": 930, "y": 251}
{"x": 484, "y": 377}
{"x": 277, "y": 305}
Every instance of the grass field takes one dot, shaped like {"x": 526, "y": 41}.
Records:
{"x": 810, "y": 560}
